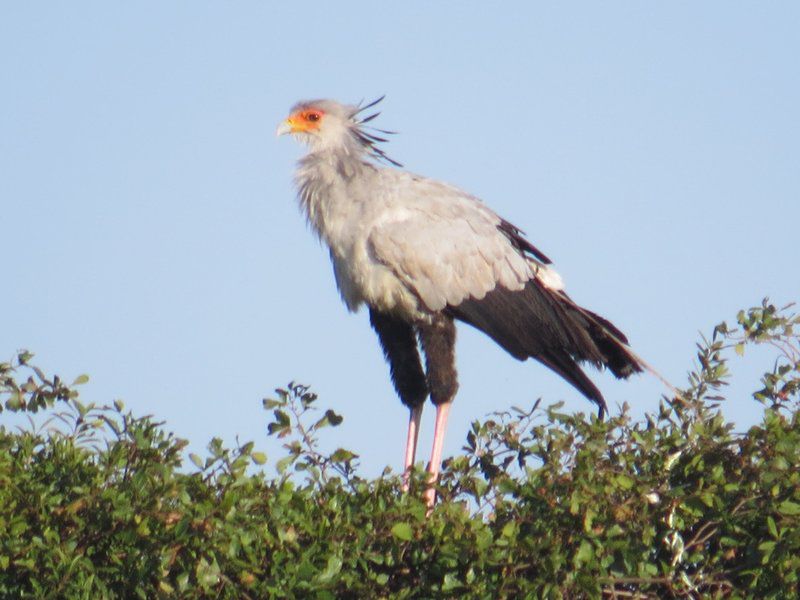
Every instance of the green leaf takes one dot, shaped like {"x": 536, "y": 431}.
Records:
{"x": 281, "y": 417}
{"x": 509, "y": 529}
{"x": 183, "y": 581}
{"x": 198, "y": 462}
{"x": 624, "y": 481}
{"x": 342, "y": 455}
{"x": 258, "y": 457}
{"x": 403, "y": 531}
{"x": 269, "y": 403}
{"x": 767, "y": 548}
{"x": 331, "y": 569}
{"x": 207, "y": 573}
{"x": 81, "y": 379}
{"x": 773, "y": 530}
{"x": 585, "y": 553}
{"x": 283, "y": 463}
{"x": 787, "y": 507}
{"x": 15, "y": 401}
{"x": 450, "y": 582}
{"x": 323, "y": 422}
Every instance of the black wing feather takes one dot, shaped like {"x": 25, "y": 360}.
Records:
{"x": 517, "y": 237}
{"x": 540, "y": 323}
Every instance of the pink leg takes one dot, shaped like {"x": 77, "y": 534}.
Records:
{"x": 414, "y": 418}
{"x": 442, "y": 412}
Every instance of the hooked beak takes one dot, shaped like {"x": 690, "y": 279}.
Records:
{"x": 284, "y": 128}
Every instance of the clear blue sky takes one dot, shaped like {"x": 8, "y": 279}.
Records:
{"x": 151, "y": 236}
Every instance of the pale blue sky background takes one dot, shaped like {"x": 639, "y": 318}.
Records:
{"x": 151, "y": 237}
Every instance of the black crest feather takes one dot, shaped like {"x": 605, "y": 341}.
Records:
{"x": 366, "y": 137}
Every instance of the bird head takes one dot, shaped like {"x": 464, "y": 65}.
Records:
{"x": 315, "y": 122}
{"x": 327, "y": 124}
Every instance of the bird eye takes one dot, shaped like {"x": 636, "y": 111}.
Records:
{"x": 313, "y": 117}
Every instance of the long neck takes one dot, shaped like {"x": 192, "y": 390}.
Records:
{"x": 322, "y": 179}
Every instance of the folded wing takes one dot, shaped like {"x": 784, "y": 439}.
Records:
{"x": 459, "y": 257}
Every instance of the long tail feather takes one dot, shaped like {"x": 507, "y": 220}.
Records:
{"x": 633, "y": 357}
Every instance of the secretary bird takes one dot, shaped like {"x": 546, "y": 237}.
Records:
{"x": 420, "y": 254}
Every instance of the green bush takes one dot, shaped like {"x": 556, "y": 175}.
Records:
{"x": 541, "y": 504}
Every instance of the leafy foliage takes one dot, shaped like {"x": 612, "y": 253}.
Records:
{"x": 98, "y": 503}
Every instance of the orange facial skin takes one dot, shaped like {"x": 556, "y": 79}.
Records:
{"x": 305, "y": 120}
